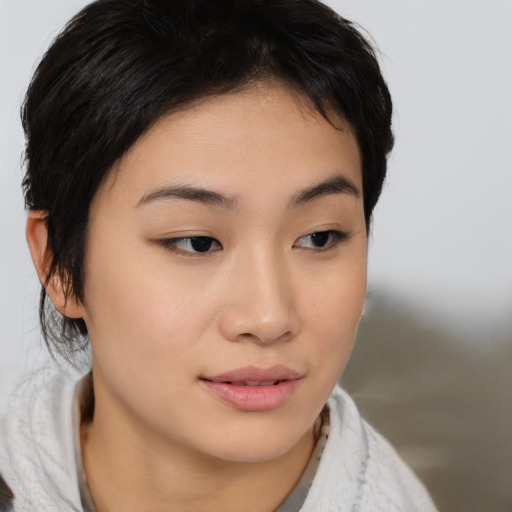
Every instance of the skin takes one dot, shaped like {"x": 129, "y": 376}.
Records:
{"x": 161, "y": 316}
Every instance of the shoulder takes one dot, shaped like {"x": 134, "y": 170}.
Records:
{"x": 389, "y": 481}
{"x": 37, "y": 443}
{"x": 360, "y": 470}
{"x": 39, "y": 406}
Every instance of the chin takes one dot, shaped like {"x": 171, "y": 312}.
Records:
{"x": 259, "y": 447}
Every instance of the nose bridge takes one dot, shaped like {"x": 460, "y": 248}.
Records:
{"x": 262, "y": 307}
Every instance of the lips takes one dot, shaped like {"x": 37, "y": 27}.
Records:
{"x": 255, "y": 383}
{"x": 254, "y": 389}
{"x": 253, "y": 376}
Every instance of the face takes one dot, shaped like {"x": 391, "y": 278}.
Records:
{"x": 225, "y": 274}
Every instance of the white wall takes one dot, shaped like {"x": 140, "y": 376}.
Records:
{"x": 443, "y": 231}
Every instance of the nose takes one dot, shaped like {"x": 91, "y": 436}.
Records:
{"x": 262, "y": 307}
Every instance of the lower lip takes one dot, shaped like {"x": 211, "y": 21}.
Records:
{"x": 253, "y": 398}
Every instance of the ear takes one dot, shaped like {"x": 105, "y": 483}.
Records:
{"x": 37, "y": 239}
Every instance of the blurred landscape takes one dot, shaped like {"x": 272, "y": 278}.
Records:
{"x": 445, "y": 404}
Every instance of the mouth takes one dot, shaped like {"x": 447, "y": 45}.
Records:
{"x": 254, "y": 389}
{"x": 248, "y": 383}
{"x": 254, "y": 376}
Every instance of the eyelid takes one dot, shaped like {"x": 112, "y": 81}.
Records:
{"x": 336, "y": 235}
{"x": 171, "y": 244}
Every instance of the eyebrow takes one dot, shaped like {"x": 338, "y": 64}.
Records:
{"x": 190, "y": 193}
{"x": 334, "y": 185}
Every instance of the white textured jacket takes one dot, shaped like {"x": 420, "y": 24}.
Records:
{"x": 359, "y": 471}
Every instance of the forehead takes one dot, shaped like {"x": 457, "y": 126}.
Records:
{"x": 268, "y": 134}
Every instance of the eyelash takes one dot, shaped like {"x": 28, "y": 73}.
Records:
{"x": 171, "y": 244}
{"x": 334, "y": 236}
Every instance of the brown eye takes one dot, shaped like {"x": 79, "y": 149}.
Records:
{"x": 201, "y": 243}
{"x": 321, "y": 240}
{"x": 192, "y": 245}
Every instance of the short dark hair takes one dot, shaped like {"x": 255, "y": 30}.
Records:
{"x": 119, "y": 65}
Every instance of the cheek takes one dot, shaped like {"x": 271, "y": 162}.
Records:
{"x": 336, "y": 296}
{"x": 144, "y": 334}
{"x": 332, "y": 310}
{"x": 139, "y": 313}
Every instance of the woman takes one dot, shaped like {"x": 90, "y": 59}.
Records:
{"x": 200, "y": 183}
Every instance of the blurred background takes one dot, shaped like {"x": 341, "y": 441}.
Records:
{"x": 431, "y": 369}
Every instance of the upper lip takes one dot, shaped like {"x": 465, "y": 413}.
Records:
{"x": 255, "y": 374}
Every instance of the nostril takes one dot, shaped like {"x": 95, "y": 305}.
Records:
{"x": 264, "y": 338}
{"x": 247, "y": 336}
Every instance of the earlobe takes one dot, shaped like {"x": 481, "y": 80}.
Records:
{"x": 37, "y": 238}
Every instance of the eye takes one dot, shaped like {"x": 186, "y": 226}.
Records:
{"x": 192, "y": 244}
{"x": 320, "y": 240}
